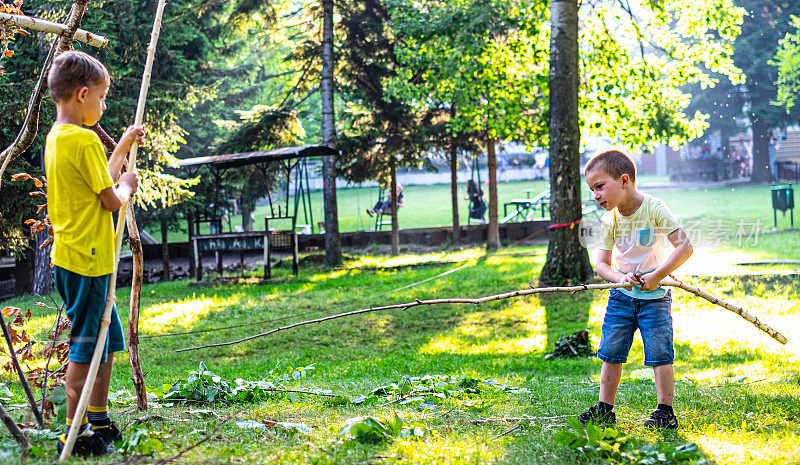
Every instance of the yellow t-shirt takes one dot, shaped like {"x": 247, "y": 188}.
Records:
{"x": 77, "y": 171}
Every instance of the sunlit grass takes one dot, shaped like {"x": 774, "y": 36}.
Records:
{"x": 177, "y": 315}
{"x": 728, "y": 371}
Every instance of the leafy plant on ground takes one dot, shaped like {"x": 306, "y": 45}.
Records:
{"x": 142, "y": 441}
{"x": 431, "y": 390}
{"x": 614, "y": 446}
{"x": 205, "y": 386}
{"x": 369, "y": 430}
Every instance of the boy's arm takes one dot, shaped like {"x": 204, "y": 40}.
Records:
{"x": 605, "y": 271}
{"x": 683, "y": 250}
{"x": 113, "y": 198}
{"x": 117, "y": 158}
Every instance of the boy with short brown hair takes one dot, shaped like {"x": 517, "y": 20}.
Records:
{"x": 634, "y": 225}
{"x": 81, "y": 198}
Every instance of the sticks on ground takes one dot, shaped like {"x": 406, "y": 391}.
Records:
{"x": 12, "y": 426}
{"x": 508, "y": 295}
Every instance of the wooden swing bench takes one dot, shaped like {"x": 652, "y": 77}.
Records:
{"x": 268, "y": 241}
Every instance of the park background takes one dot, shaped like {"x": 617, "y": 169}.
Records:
{"x": 700, "y": 93}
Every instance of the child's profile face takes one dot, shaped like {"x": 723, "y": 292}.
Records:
{"x": 93, "y": 102}
{"x": 608, "y": 191}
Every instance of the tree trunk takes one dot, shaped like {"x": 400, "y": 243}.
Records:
{"x": 133, "y": 313}
{"x": 395, "y": 226}
{"x": 567, "y": 260}
{"x": 333, "y": 242}
{"x": 454, "y": 181}
{"x": 247, "y": 215}
{"x": 190, "y": 229}
{"x": 42, "y": 273}
{"x": 23, "y": 272}
{"x": 761, "y": 136}
{"x": 493, "y": 235}
{"x": 165, "y": 250}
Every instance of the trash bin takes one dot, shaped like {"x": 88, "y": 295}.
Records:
{"x": 783, "y": 199}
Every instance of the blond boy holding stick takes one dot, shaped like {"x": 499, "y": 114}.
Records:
{"x": 634, "y": 228}
{"x": 81, "y": 198}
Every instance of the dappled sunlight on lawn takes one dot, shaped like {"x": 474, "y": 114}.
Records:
{"x": 698, "y": 323}
{"x": 169, "y": 316}
{"x": 405, "y": 260}
{"x": 737, "y": 446}
{"x": 520, "y": 328}
{"x": 321, "y": 277}
{"x": 443, "y": 450}
{"x": 716, "y": 261}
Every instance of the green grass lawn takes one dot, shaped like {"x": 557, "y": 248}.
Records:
{"x": 737, "y": 394}
{"x": 730, "y": 217}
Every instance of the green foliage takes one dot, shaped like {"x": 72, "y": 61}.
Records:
{"x": 787, "y": 59}
{"x": 429, "y": 391}
{"x": 205, "y": 386}
{"x": 490, "y": 60}
{"x": 368, "y": 430}
{"x": 16, "y": 206}
{"x": 379, "y": 129}
{"x": 759, "y": 53}
{"x": 142, "y": 441}
{"x": 486, "y": 58}
{"x": 613, "y": 446}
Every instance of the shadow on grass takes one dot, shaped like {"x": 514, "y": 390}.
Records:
{"x": 565, "y": 314}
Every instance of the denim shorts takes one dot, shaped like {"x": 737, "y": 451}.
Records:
{"x": 84, "y": 301}
{"x": 624, "y": 315}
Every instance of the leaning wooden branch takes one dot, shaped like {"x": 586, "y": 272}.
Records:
{"x": 12, "y": 426}
{"x": 22, "y": 379}
{"x": 41, "y": 25}
{"x": 134, "y": 238}
{"x": 31, "y": 124}
{"x": 508, "y": 295}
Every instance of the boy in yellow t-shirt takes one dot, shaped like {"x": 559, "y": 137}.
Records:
{"x": 636, "y": 228}
{"x": 81, "y": 198}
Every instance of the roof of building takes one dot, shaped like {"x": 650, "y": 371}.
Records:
{"x": 234, "y": 160}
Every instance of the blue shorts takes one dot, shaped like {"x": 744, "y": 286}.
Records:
{"x": 84, "y": 300}
{"x": 624, "y": 315}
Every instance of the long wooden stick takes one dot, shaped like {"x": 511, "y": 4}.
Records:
{"x": 137, "y": 375}
{"x": 17, "y": 433}
{"x": 112, "y": 284}
{"x": 508, "y": 295}
{"x": 728, "y": 306}
{"x": 23, "y": 381}
{"x": 41, "y": 25}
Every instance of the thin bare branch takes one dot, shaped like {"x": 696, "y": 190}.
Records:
{"x": 31, "y": 124}
{"x": 508, "y": 295}
{"x": 41, "y": 25}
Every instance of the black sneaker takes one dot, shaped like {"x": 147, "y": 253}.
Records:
{"x": 662, "y": 419}
{"x": 597, "y": 416}
{"x": 109, "y": 433}
{"x": 86, "y": 444}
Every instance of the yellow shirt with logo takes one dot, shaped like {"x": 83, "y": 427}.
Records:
{"x": 77, "y": 171}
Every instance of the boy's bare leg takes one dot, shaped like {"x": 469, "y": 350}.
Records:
{"x": 76, "y": 376}
{"x": 665, "y": 384}
{"x": 610, "y": 374}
